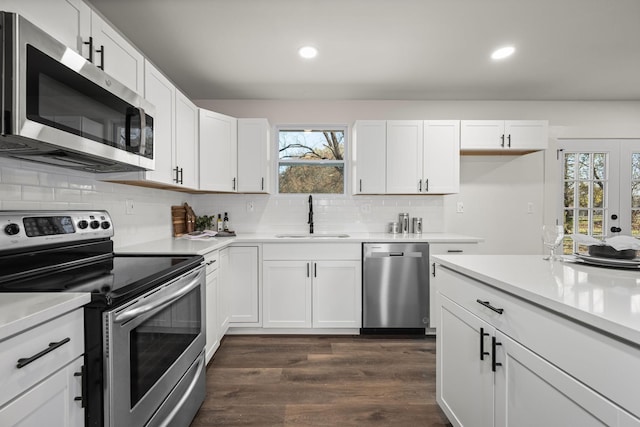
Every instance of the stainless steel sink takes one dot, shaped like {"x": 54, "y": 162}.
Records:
{"x": 311, "y": 236}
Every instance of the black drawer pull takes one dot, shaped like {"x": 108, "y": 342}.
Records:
{"x": 455, "y": 251}
{"x": 490, "y": 307}
{"x": 52, "y": 346}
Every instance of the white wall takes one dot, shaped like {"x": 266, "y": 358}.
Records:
{"x": 496, "y": 190}
{"x": 29, "y": 186}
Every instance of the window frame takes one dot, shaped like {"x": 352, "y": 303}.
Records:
{"x": 313, "y": 127}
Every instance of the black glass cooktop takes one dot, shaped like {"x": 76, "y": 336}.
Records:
{"x": 110, "y": 281}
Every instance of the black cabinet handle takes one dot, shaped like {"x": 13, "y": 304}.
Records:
{"x": 315, "y": 269}
{"x": 455, "y": 251}
{"x": 90, "y": 43}
{"x": 361, "y": 185}
{"x": 502, "y": 140}
{"x": 494, "y": 344}
{"x": 83, "y": 398}
{"x": 307, "y": 269}
{"x": 52, "y": 346}
{"x": 262, "y": 185}
{"x": 509, "y": 140}
{"x": 177, "y": 178}
{"x": 234, "y": 184}
{"x": 426, "y": 185}
{"x": 482, "y": 352}
{"x": 433, "y": 273}
{"x": 101, "y": 52}
{"x": 489, "y": 306}
{"x": 181, "y": 176}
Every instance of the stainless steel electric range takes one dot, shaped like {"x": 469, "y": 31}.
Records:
{"x": 144, "y": 327}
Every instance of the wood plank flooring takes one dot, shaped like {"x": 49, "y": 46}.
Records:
{"x": 322, "y": 381}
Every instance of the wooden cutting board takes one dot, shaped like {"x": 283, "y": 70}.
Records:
{"x": 183, "y": 219}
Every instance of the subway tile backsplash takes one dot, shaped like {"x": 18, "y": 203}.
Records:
{"x": 29, "y": 186}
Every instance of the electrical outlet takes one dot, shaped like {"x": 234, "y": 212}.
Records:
{"x": 529, "y": 208}
{"x": 128, "y": 206}
{"x": 460, "y": 207}
{"x": 365, "y": 208}
{"x": 249, "y": 206}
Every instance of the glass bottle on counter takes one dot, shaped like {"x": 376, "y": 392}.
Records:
{"x": 225, "y": 223}
{"x": 219, "y": 223}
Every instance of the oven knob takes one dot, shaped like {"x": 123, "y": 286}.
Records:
{"x": 12, "y": 229}
{"x": 94, "y": 224}
{"x": 82, "y": 224}
{"x": 105, "y": 225}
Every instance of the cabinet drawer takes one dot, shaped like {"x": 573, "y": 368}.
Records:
{"x": 29, "y": 343}
{"x": 315, "y": 251}
{"x": 211, "y": 261}
{"x": 453, "y": 248}
{"x": 609, "y": 366}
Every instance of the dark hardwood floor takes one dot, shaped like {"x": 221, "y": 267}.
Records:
{"x": 322, "y": 381}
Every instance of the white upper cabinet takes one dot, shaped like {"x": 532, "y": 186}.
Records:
{"x": 404, "y": 156}
{"x": 441, "y": 157}
{"x": 423, "y": 157}
{"x": 115, "y": 55}
{"x": 68, "y": 21}
{"x": 175, "y": 132}
{"x": 500, "y": 135}
{"x": 253, "y": 156}
{"x": 218, "y": 152}
{"x": 368, "y": 156}
{"x": 159, "y": 91}
{"x": 186, "y": 141}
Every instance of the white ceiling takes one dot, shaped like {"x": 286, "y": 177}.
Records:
{"x": 389, "y": 49}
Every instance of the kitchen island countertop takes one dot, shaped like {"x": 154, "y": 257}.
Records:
{"x": 179, "y": 245}
{"x": 603, "y": 298}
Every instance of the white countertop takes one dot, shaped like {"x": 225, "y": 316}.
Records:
{"x": 604, "y": 298}
{"x": 171, "y": 245}
{"x": 21, "y": 311}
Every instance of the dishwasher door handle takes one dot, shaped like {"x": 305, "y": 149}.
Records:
{"x": 394, "y": 254}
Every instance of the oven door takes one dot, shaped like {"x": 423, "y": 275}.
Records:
{"x": 150, "y": 345}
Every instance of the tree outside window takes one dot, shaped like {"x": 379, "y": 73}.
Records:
{"x": 311, "y": 160}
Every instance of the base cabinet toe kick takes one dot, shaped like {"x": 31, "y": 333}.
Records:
{"x": 503, "y": 361}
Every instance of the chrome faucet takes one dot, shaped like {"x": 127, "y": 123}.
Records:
{"x": 310, "y": 222}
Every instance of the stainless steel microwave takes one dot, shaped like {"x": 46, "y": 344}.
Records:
{"x": 58, "y": 108}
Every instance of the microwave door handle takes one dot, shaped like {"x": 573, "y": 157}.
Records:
{"x": 156, "y": 304}
{"x": 143, "y": 128}
{"x": 127, "y": 128}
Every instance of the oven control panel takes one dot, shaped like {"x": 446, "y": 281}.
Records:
{"x": 31, "y": 228}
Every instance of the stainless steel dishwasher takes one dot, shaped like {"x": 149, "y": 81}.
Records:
{"x": 396, "y": 286}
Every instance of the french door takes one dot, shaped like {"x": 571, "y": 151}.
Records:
{"x": 600, "y": 188}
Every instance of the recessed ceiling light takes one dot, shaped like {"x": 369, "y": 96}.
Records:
{"x": 308, "y": 52}
{"x": 503, "y": 52}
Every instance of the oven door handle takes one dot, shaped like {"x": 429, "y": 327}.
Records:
{"x": 156, "y": 304}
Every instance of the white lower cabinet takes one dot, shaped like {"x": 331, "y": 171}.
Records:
{"x": 312, "y": 293}
{"x": 488, "y": 377}
{"x": 48, "y": 389}
{"x": 223, "y": 295}
{"x": 244, "y": 291}
{"x": 211, "y": 305}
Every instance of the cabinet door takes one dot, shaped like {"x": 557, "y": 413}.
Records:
{"x": 51, "y": 402}
{"x": 464, "y": 381}
{"x": 286, "y": 294}
{"x": 441, "y": 157}
{"x": 527, "y": 134}
{"x": 253, "y": 155}
{"x": 482, "y": 134}
{"x": 186, "y": 140}
{"x": 369, "y": 145}
{"x": 337, "y": 294}
{"x": 404, "y": 156}
{"x": 211, "y": 315}
{"x": 121, "y": 60}
{"x": 159, "y": 91}
{"x": 218, "y": 151}
{"x": 244, "y": 291}
{"x": 68, "y": 21}
{"x": 529, "y": 389}
{"x": 223, "y": 296}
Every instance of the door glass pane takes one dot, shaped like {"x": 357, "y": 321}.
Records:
{"x": 635, "y": 223}
{"x": 585, "y": 187}
{"x": 635, "y": 166}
